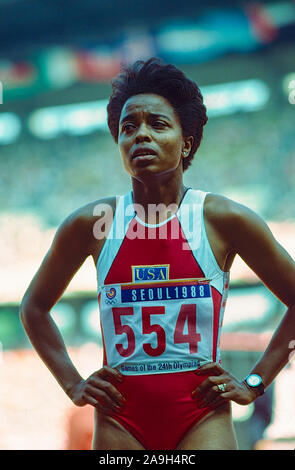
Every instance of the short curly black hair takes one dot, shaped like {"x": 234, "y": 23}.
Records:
{"x": 154, "y": 76}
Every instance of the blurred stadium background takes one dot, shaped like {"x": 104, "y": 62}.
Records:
{"x": 56, "y": 154}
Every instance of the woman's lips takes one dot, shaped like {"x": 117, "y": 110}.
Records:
{"x": 142, "y": 152}
{"x": 144, "y": 157}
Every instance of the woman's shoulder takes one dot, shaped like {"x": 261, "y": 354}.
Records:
{"x": 221, "y": 208}
{"x": 90, "y": 212}
{"x": 78, "y": 225}
{"x": 233, "y": 220}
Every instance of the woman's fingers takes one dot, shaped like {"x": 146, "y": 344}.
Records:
{"x": 105, "y": 390}
{"x": 208, "y": 384}
{"x": 213, "y": 398}
{"x": 101, "y": 397}
{"x": 108, "y": 372}
{"x": 96, "y": 403}
{"x": 211, "y": 368}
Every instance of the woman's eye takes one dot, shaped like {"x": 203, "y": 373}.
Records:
{"x": 127, "y": 127}
{"x": 159, "y": 124}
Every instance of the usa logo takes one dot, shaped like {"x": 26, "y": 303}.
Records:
{"x": 150, "y": 273}
{"x": 111, "y": 296}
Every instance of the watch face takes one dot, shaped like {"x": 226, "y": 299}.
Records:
{"x": 254, "y": 380}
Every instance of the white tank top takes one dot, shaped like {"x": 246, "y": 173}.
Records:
{"x": 161, "y": 292}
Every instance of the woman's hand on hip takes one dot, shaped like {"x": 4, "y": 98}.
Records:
{"x": 98, "y": 390}
{"x": 220, "y": 387}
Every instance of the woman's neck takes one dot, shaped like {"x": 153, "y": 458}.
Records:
{"x": 157, "y": 201}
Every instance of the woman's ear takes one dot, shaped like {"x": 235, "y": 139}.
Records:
{"x": 187, "y": 146}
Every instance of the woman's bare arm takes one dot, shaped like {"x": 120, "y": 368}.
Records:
{"x": 256, "y": 245}
{"x": 65, "y": 256}
{"x": 247, "y": 235}
{"x": 67, "y": 253}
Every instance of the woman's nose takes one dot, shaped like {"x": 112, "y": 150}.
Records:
{"x": 142, "y": 134}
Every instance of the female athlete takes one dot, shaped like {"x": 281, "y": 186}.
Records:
{"x": 163, "y": 253}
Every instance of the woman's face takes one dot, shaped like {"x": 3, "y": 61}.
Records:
{"x": 150, "y": 136}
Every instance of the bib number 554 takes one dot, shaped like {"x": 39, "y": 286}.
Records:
{"x": 188, "y": 313}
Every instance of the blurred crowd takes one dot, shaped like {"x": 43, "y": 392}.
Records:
{"x": 242, "y": 154}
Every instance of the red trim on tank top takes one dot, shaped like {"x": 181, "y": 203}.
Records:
{"x": 105, "y": 360}
{"x": 216, "y": 298}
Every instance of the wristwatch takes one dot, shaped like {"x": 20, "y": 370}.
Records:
{"x": 254, "y": 383}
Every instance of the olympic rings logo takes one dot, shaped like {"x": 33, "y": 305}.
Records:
{"x": 110, "y": 302}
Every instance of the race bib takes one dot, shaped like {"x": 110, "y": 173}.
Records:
{"x": 157, "y": 327}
